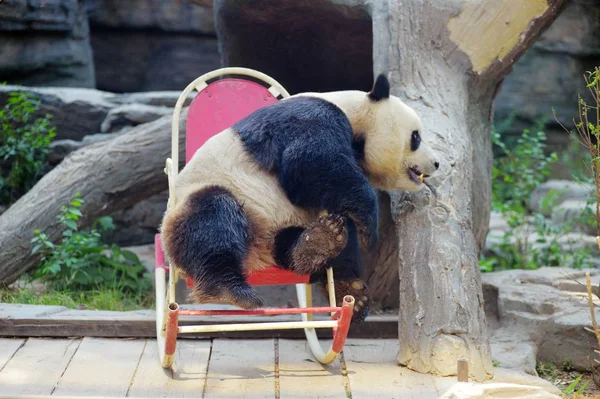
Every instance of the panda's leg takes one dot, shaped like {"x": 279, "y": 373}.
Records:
{"x": 321, "y": 176}
{"x": 347, "y": 272}
{"x": 305, "y": 250}
{"x": 209, "y": 239}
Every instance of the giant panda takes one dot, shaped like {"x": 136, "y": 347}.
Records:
{"x": 251, "y": 196}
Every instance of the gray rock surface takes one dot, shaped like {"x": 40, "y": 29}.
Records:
{"x": 167, "y": 16}
{"x": 45, "y": 43}
{"x": 174, "y": 41}
{"x": 572, "y": 242}
{"x": 138, "y": 225}
{"x": 564, "y": 190}
{"x": 570, "y": 212}
{"x": 498, "y": 222}
{"x": 52, "y": 15}
{"x": 170, "y": 60}
{"x": 77, "y": 112}
{"x": 113, "y": 45}
{"x": 538, "y": 307}
{"x": 131, "y": 115}
{"x": 514, "y": 350}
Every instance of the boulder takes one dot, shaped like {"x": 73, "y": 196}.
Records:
{"x": 498, "y": 222}
{"x": 514, "y": 349}
{"x": 131, "y": 115}
{"x": 74, "y": 43}
{"x": 572, "y": 242}
{"x": 77, "y": 113}
{"x": 572, "y": 212}
{"x": 538, "y": 306}
{"x": 138, "y": 224}
{"x": 45, "y": 43}
{"x": 562, "y": 190}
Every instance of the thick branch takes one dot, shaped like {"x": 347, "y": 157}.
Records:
{"x": 496, "y": 33}
{"x": 110, "y": 176}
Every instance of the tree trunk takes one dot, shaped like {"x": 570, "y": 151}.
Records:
{"x": 446, "y": 60}
{"x": 110, "y": 176}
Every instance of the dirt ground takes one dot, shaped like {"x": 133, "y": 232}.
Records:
{"x": 564, "y": 378}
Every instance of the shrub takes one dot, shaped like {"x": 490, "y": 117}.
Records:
{"x": 588, "y": 134}
{"x": 24, "y": 146}
{"x": 516, "y": 172}
{"x": 81, "y": 261}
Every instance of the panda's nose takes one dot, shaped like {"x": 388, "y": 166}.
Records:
{"x": 436, "y": 164}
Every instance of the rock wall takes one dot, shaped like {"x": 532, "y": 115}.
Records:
{"x": 144, "y": 45}
{"x": 45, "y": 43}
{"x": 137, "y": 45}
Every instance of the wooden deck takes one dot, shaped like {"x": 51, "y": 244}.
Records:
{"x": 212, "y": 368}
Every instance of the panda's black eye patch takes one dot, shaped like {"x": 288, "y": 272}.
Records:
{"x": 415, "y": 140}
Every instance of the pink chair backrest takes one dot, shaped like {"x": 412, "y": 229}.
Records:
{"x": 220, "y": 105}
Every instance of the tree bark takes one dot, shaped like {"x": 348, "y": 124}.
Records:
{"x": 110, "y": 176}
{"x": 446, "y": 60}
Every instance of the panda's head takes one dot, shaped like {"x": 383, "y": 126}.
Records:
{"x": 396, "y": 155}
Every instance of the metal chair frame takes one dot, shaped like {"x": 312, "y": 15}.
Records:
{"x": 168, "y": 310}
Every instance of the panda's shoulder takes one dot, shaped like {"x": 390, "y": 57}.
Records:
{"x": 303, "y": 106}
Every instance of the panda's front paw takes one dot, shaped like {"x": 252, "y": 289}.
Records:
{"x": 321, "y": 241}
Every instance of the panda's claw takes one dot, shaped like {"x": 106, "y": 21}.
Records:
{"x": 328, "y": 237}
{"x": 358, "y": 289}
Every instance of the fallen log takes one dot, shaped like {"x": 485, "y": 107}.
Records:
{"x": 110, "y": 175}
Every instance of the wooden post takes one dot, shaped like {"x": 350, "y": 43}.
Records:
{"x": 462, "y": 370}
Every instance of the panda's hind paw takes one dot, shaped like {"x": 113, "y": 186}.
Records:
{"x": 322, "y": 240}
{"x": 358, "y": 289}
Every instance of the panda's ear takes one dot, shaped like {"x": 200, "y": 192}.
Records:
{"x": 381, "y": 88}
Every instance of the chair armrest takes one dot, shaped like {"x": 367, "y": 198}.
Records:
{"x": 170, "y": 176}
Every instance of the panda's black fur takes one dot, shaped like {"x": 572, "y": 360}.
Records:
{"x": 308, "y": 143}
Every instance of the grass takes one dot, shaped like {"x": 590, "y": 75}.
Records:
{"x": 105, "y": 299}
{"x": 572, "y": 384}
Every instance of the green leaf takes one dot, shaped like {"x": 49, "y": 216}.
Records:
{"x": 571, "y": 388}
{"x": 71, "y": 224}
{"x": 583, "y": 387}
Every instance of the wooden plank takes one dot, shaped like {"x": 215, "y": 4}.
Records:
{"x": 101, "y": 367}
{"x": 57, "y": 321}
{"x": 374, "y": 372}
{"x": 18, "y": 310}
{"x": 241, "y": 369}
{"x": 301, "y": 376}
{"x": 37, "y": 367}
{"x": 185, "y": 380}
{"x": 8, "y": 347}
